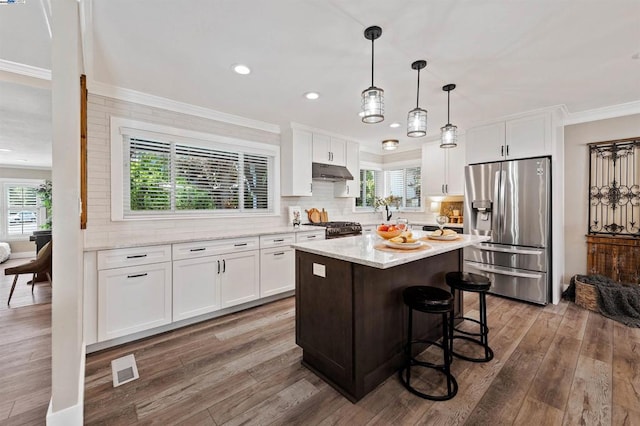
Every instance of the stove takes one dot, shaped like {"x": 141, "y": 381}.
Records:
{"x": 339, "y": 229}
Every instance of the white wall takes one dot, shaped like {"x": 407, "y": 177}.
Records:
{"x": 576, "y": 138}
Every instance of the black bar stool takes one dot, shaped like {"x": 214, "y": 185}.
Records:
{"x": 465, "y": 281}
{"x": 430, "y": 300}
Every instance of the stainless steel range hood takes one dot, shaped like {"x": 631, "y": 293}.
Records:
{"x": 330, "y": 172}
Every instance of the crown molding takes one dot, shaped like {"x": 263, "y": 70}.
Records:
{"x": 603, "y": 113}
{"x": 129, "y": 95}
{"x": 25, "y": 70}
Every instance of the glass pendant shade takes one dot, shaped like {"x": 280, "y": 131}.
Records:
{"x": 417, "y": 123}
{"x": 372, "y": 105}
{"x": 448, "y": 133}
{"x": 448, "y": 136}
{"x": 390, "y": 144}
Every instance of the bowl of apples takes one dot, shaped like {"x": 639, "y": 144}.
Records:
{"x": 388, "y": 231}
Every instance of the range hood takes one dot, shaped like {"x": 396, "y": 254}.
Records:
{"x": 330, "y": 172}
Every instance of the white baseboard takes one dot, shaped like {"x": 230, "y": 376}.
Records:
{"x": 74, "y": 415}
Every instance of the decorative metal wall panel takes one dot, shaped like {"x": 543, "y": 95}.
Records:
{"x": 614, "y": 194}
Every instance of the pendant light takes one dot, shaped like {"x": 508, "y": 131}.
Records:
{"x": 417, "y": 118}
{"x": 373, "y": 97}
{"x": 449, "y": 133}
{"x": 390, "y": 144}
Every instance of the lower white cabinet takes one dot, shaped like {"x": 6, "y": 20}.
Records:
{"x": 277, "y": 270}
{"x": 133, "y": 299}
{"x": 239, "y": 278}
{"x": 305, "y": 236}
{"x": 196, "y": 288}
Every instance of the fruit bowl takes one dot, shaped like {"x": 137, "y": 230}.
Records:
{"x": 389, "y": 234}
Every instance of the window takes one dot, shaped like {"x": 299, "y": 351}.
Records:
{"x": 20, "y": 207}
{"x": 403, "y": 183}
{"x": 172, "y": 175}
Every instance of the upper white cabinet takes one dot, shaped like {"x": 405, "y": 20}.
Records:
{"x": 295, "y": 168}
{"x": 329, "y": 150}
{"x": 350, "y": 188}
{"x": 443, "y": 169}
{"x": 526, "y": 136}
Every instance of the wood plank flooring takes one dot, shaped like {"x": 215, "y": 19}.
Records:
{"x": 553, "y": 365}
{"x": 25, "y": 350}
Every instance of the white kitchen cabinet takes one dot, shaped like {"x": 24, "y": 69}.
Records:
{"x": 443, "y": 169}
{"x": 485, "y": 143}
{"x": 295, "y": 163}
{"x": 306, "y": 236}
{"x": 133, "y": 299}
{"x": 350, "y": 188}
{"x": 523, "y": 137}
{"x": 329, "y": 150}
{"x": 277, "y": 264}
{"x": 239, "y": 278}
{"x": 196, "y": 287}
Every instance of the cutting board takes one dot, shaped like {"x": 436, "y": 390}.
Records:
{"x": 324, "y": 215}
{"x": 314, "y": 215}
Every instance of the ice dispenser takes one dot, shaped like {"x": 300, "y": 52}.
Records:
{"x": 481, "y": 218}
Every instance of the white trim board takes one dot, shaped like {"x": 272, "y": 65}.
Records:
{"x": 25, "y": 70}
{"x": 612, "y": 111}
{"x": 73, "y": 415}
{"x": 140, "y": 98}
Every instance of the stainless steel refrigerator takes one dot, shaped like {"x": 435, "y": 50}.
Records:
{"x": 510, "y": 201}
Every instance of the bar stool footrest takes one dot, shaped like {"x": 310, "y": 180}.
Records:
{"x": 484, "y": 330}
{"x": 489, "y": 352}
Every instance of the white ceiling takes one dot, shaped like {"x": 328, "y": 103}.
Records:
{"x": 505, "y": 56}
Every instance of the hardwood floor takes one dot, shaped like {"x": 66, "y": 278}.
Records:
{"x": 553, "y": 365}
{"x": 25, "y": 350}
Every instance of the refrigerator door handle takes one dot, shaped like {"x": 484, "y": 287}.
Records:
{"x": 497, "y": 200}
{"x": 503, "y": 204}
{"x": 508, "y": 250}
{"x": 502, "y": 271}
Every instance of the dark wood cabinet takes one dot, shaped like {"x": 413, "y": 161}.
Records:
{"x": 352, "y": 323}
{"x": 615, "y": 257}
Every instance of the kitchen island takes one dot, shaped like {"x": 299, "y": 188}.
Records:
{"x": 351, "y": 320}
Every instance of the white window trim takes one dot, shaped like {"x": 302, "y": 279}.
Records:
{"x": 367, "y": 166}
{"x": 391, "y": 166}
{"x": 120, "y": 126}
{"x": 4, "y": 219}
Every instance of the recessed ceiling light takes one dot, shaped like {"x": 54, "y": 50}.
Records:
{"x": 5, "y": 150}
{"x": 394, "y": 125}
{"x": 312, "y": 95}
{"x": 242, "y": 69}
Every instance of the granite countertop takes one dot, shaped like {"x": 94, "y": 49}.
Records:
{"x": 419, "y": 224}
{"x": 360, "y": 249}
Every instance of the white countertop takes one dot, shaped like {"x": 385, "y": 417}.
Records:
{"x": 360, "y": 249}
{"x": 418, "y": 224}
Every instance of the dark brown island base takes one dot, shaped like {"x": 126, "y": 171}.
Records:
{"x": 351, "y": 321}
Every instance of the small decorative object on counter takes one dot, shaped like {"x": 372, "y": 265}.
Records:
{"x": 294, "y": 215}
{"x": 386, "y": 202}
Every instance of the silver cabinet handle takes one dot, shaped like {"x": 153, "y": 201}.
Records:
{"x": 502, "y": 151}
{"x": 311, "y": 236}
{"x": 198, "y": 249}
{"x": 136, "y": 256}
{"x": 279, "y": 254}
{"x": 329, "y": 155}
{"x": 224, "y": 266}
{"x": 218, "y": 266}
{"x": 137, "y": 275}
{"x": 507, "y": 150}
{"x": 279, "y": 240}
{"x": 240, "y": 245}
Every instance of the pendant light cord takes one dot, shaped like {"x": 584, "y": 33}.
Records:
{"x": 418, "y": 91}
{"x": 372, "y": 56}
{"x": 448, "y": 98}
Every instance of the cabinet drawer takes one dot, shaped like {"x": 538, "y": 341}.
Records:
{"x": 277, "y": 271}
{"x": 214, "y": 247}
{"x": 119, "y": 258}
{"x": 306, "y": 236}
{"x": 277, "y": 240}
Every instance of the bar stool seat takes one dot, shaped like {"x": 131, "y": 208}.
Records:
{"x": 466, "y": 281}
{"x": 430, "y": 300}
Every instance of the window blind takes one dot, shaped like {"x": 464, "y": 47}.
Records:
{"x": 256, "y": 182}
{"x": 149, "y": 175}
{"x": 22, "y": 209}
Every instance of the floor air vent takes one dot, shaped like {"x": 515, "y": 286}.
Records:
{"x": 124, "y": 370}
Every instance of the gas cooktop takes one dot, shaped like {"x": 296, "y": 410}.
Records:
{"x": 339, "y": 229}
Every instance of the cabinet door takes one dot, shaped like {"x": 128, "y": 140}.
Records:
{"x": 528, "y": 136}
{"x": 133, "y": 299}
{"x": 337, "y": 151}
{"x": 485, "y": 143}
{"x": 277, "y": 271}
{"x": 196, "y": 289}
{"x": 455, "y": 169}
{"x": 433, "y": 169}
{"x": 350, "y": 188}
{"x": 321, "y": 149}
{"x": 239, "y": 278}
{"x": 295, "y": 169}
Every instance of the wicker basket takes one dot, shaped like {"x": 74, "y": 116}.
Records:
{"x": 586, "y": 296}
